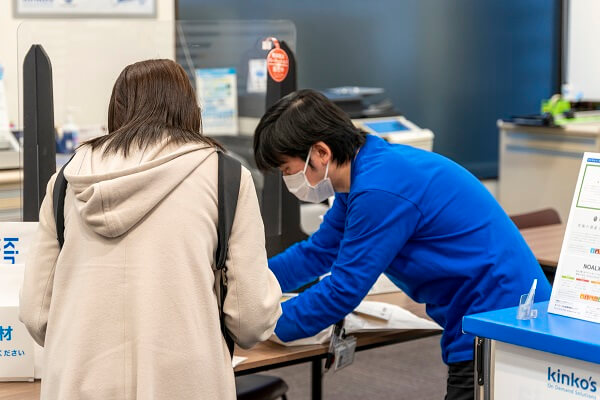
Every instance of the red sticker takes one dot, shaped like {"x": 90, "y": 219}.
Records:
{"x": 278, "y": 64}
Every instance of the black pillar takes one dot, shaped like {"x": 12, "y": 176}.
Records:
{"x": 39, "y": 148}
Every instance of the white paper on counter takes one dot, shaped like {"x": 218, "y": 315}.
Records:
{"x": 375, "y": 309}
{"x": 372, "y": 316}
{"x": 399, "y": 319}
{"x": 237, "y": 360}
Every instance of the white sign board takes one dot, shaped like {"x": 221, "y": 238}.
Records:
{"x": 88, "y": 8}
{"x": 525, "y": 374}
{"x": 15, "y": 239}
{"x": 20, "y": 357}
{"x": 217, "y": 96}
{"x": 576, "y": 289}
{"x": 16, "y": 348}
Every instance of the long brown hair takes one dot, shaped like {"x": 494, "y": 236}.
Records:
{"x": 151, "y": 100}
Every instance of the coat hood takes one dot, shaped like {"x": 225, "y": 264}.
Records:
{"x": 113, "y": 193}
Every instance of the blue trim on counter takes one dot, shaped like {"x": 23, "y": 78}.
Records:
{"x": 552, "y": 333}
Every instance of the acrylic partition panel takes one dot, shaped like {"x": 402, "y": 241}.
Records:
{"x": 11, "y": 179}
{"x": 87, "y": 56}
{"x": 205, "y": 48}
{"x": 10, "y": 160}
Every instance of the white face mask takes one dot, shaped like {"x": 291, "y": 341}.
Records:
{"x": 299, "y": 186}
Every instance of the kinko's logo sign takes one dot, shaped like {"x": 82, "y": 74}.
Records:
{"x": 570, "y": 382}
{"x": 10, "y": 249}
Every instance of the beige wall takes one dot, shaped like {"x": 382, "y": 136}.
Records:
{"x": 86, "y": 55}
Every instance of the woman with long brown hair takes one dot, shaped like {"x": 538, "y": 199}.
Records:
{"x": 128, "y": 309}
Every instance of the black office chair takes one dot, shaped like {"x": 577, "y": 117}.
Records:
{"x": 547, "y": 216}
{"x": 260, "y": 387}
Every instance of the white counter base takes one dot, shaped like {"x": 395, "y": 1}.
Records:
{"x": 525, "y": 374}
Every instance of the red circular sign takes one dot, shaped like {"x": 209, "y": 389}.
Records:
{"x": 278, "y": 64}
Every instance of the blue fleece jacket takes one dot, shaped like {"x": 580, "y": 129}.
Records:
{"x": 425, "y": 222}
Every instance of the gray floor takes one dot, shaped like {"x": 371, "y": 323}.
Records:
{"x": 411, "y": 370}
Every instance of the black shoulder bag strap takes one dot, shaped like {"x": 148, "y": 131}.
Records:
{"x": 230, "y": 171}
{"x": 58, "y": 202}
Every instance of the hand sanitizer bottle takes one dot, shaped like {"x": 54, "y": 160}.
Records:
{"x": 69, "y": 139}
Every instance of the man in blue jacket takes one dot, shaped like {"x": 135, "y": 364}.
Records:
{"x": 419, "y": 218}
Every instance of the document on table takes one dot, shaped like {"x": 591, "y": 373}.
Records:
{"x": 576, "y": 290}
{"x": 370, "y": 316}
{"x": 237, "y": 360}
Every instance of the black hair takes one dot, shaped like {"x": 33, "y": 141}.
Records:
{"x": 298, "y": 121}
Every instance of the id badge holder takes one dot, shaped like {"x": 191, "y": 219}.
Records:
{"x": 341, "y": 349}
{"x": 344, "y": 352}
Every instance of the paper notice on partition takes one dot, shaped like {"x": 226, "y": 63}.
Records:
{"x": 576, "y": 290}
{"x": 217, "y": 95}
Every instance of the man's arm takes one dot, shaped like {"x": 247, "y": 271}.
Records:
{"x": 378, "y": 225}
{"x": 311, "y": 258}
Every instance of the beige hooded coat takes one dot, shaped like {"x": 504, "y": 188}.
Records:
{"x": 128, "y": 308}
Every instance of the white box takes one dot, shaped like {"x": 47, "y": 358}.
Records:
{"x": 15, "y": 240}
{"x": 525, "y": 374}
{"x": 17, "y": 357}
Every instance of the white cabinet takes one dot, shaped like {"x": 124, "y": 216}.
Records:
{"x": 539, "y": 165}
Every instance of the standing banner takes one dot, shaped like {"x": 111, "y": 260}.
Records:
{"x": 576, "y": 289}
{"x": 17, "y": 348}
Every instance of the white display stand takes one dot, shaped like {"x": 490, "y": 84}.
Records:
{"x": 576, "y": 289}
{"x": 20, "y": 357}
